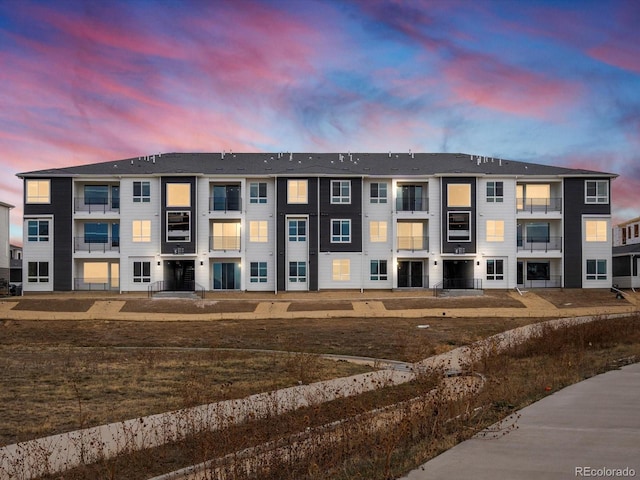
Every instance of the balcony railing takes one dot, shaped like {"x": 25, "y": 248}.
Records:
{"x": 413, "y": 243}
{"x": 224, "y": 242}
{"x": 420, "y": 204}
{"x": 94, "y": 284}
{"x": 462, "y": 283}
{"x": 413, "y": 281}
{"x": 554, "y": 281}
{"x": 539, "y": 205}
{"x": 551, "y": 244}
{"x": 80, "y": 204}
{"x": 96, "y": 245}
{"x": 224, "y": 204}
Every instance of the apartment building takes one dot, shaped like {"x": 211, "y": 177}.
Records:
{"x": 315, "y": 221}
{"x": 626, "y": 254}
{"x": 5, "y": 210}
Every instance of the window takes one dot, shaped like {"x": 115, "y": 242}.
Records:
{"x": 258, "y": 192}
{"x": 495, "y": 192}
{"x": 96, "y": 194}
{"x": 340, "y": 231}
{"x": 178, "y": 226}
{"x": 38, "y": 191}
{"x": 38, "y": 230}
{"x": 297, "y": 230}
{"x": 178, "y": 195}
{"x": 142, "y": 192}
{"x": 410, "y": 198}
{"x": 297, "y": 272}
{"x": 258, "y": 231}
{"x": 538, "y": 271}
{"x": 534, "y": 197}
{"x": 495, "y": 230}
{"x": 378, "y": 270}
{"x": 226, "y": 236}
{"x": 538, "y": 233}
{"x": 459, "y": 227}
{"x": 141, "y": 272}
{"x": 378, "y": 193}
{"x": 596, "y": 230}
{"x": 377, "y": 231}
{"x": 458, "y": 195}
{"x": 258, "y": 272}
{"x": 340, "y": 191}
{"x": 96, "y": 233}
{"x": 95, "y": 272}
{"x": 596, "y": 191}
{"x": 297, "y": 191}
{"x": 341, "y": 270}
{"x": 596, "y": 269}
{"x": 38, "y": 272}
{"x": 636, "y": 230}
{"x": 495, "y": 269}
{"x": 226, "y": 198}
{"x": 141, "y": 231}
{"x": 411, "y": 236}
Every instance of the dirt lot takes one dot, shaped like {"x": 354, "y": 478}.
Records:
{"x": 575, "y": 297}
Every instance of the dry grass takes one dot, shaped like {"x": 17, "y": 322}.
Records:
{"x": 575, "y": 297}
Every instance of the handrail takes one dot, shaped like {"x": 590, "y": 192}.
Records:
{"x": 437, "y": 287}
{"x": 160, "y": 286}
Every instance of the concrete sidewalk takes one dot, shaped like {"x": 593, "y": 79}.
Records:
{"x": 590, "y": 429}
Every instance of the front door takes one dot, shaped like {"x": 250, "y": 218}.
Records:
{"x": 458, "y": 274}
{"x": 520, "y": 274}
{"x": 179, "y": 275}
{"x": 226, "y": 276}
{"x": 410, "y": 274}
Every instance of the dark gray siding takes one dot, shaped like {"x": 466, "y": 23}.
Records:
{"x": 574, "y": 208}
{"x": 168, "y": 247}
{"x": 351, "y": 211}
{"x": 450, "y": 247}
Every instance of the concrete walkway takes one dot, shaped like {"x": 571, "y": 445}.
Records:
{"x": 590, "y": 429}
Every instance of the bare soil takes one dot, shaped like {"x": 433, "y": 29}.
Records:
{"x": 498, "y": 299}
{"x": 173, "y": 305}
{"x": 576, "y": 297}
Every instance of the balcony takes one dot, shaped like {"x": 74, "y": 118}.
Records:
{"x": 412, "y": 204}
{"x": 552, "y": 281}
{"x": 412, "y": 243}
{"x": 553, "y": 244}
{"x": 96, "y": 245}
{"x": 80, "y": 204}
{"x": 95, "y": 284}
{"x": 224, "y": 243}
{"x": 539, "y": 205}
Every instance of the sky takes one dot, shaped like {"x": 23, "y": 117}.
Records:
{"x": 552, "y": 82}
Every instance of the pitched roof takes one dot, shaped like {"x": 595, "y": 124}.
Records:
{"x": 300, "y": 164}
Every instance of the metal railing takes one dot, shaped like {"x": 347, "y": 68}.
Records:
{"x": 538, "y": 205}
{"x": 219, "y": 204}
{"x": 412, "y": 243}
{"x": 420, "y": 204}
{"x": 187, "y": 286}
{"x": 554, "y": 281}
{"x": 462, "y": 284}
{"x": 225, "y": 242}
{"x": 413, "y": 281}
{"x": 94, "y": 284}
{"x": 552, "y": 243}
{"x": 95, "y": 206}
{"x": 96, "y": 245}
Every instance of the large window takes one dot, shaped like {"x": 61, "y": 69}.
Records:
{"x": 538, "y": 271}
{"x": 38, "y": 230}
{"x": 96, "y": 194}
{"x": 38, "y": 272}
{"x": 226, "y": 198}
{"x": 459, "y": 227}
{"x": 596, "y": 191}
{"x": 141, "y": 272}
{"x": 378, "y": 270}
{"x": 596, "y": 269}
{"x": 458, "y": 195}
{"x": 297, "y": 191}
{"x": 495, "y": 192}
{"x": 95, "y": 272}
{"x": 38, "y": 191}
{"x": 538, "y": 233}
{"x": 340, "y": 191}
{"x": 141, "y": 231}
{"x": 411, "y": 236}
{"x": 495, "y": 269}
{"x": 378, "y": 193}
{"x": 96, "y": 233}
{"x": 596, "y": 230}
{"x": 258, "y": 231}
{"x": 178, "y": 226}
{"x": 410, "y": 198}
{"x": 341, "y": 270}
{"x": 142, "y": 192}
{"x": 297, "y": 230}
{"x": 495, "y": 230}
{"x": 377, "y": 231}
{"x": 226, "y": 236}
{"x": 534, "y": 197}
{"x": 297, "y": 272}
{"x": 258, "y": 192}
{"x": 178, "y": 195}
{"x": 258, "y": 272}
{"x": 340, "y": 231}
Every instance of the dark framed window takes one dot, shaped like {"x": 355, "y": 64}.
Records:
{"x": 495, "y": 192}
{"x": 297, "y": 272}
{"x": 538, "y": 233}
{"x": 538, "y": 271}
{"x": 96, "y": 194}
{"x": 378, "y": 192}
{"x": 142, "y": 192}
{"x": 596, "y": 191}
{"x": 379, "y": 270}
{"x": 258, "y": 192}
{"x": 142, "y": 272}
{"x": 258, "y": 272}
{"x": 340, "y": 191}
{"x": 297, "y": 230}
{"x": 340, "y": 231}
{"x": 38, "y": 230}
{"x": 495, "y": 269}
{"x": 96, "y": 233}
{"x": 596, "y": 269}
{"x": 178, "y": 226}
{"x": 459, "y": 227}
{"x": 38, "y": 272}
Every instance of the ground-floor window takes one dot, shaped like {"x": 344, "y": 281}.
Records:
{"x": 141, "y": 272}
{"x": 495, "y": 269}
{"x": 258, "y": 272}
{"x": 297, "y": 272}
{"x": 378, "y": 270}
{"x": 596, "y": 269}
{"x": 226, "y": 276}
{"x": 538, "y": 271}
{"x": 38, "y": 272}
{"x": 341, "y": 270}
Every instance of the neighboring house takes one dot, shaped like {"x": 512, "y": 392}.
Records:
{"x": 315, "y": 221}
{"x": 5, "y": 209}
{"x": 15, "y": 254}
{"x": 626, "y": 254}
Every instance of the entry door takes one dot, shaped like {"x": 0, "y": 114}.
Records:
{"x": 410, "y": 274}
{"x": 520, "y": 275}
{"x": 226, "y": 276}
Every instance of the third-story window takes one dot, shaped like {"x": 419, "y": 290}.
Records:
{"x": 340, "y": 231}
{"x": 141, "y": 231}
{"x": 38, "y": 191}
{"x": 459, "y": 227}
{"x": 142, "y": 192}
{"x": 378, "y": 193}
{"x": 38, "y": 230}
{"x": 258, "y": 231}
{"x": 297, "y": 191}
{"x": 340, "y": 191}
{"x": 178, "y": 226}
{"x": 297, "y": 230}
{"x": 377, "y": 231}
{"x": 495, "y": 230}
{"x": 495, "y": 269}
{"x": 142, "y": 272}
{"x": 459, "y": 195}
{"x": 258, "y": 192}
{"x": 596, "y": 191}
{"x": 495, "y": 192}
{"x": 596, "y": 230}
{"x": 178, "y": 195}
